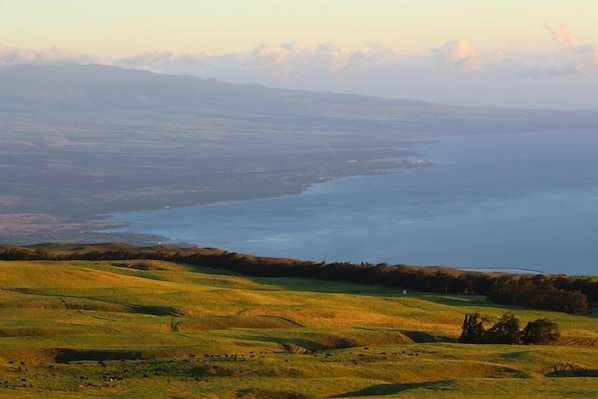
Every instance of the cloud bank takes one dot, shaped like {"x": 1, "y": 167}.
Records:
{"x": 452, "y": 72}
{"x": 53, "y": 55}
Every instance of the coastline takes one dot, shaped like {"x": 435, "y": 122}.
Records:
{"x": 34, "y": 228}
{"x": 151, "y": 239}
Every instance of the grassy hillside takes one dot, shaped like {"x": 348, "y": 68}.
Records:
{"x": 141, "y": 329}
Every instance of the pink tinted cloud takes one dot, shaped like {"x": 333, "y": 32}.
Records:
{"x": 285, "y": 60}
{"x": 457, "y": 54}
{"x": 584, "y": 56}
{"x": 562, "y": 34}
{"x": 264, "y": 54}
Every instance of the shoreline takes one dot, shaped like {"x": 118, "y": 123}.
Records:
{"x": 36, "y": 228}
{"x": 159, "y": 239}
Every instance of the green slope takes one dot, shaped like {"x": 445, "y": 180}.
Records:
{"x": 141, "y": 329}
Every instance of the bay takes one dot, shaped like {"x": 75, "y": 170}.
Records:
{"x": 520, "y": 201}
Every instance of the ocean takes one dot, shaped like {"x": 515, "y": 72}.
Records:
{"x": 517, "y": 201}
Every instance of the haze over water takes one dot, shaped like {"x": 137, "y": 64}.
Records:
{"x": 513, "y": 201}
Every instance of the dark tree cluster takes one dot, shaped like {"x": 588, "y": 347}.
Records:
{"x": 537, "y": 292}
{"x": 561, "y": 293}
{"x": 477, "y": 330}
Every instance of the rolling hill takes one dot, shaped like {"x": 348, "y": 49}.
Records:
{"x": 141, "y": 328}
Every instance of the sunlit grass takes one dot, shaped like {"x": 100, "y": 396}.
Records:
{"x": 291, "y": 338}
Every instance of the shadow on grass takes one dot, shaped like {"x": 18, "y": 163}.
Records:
{"x": 516, "y": 355}
{"x": 322, "y": 341}
{"x": 70, "y": 355}
{"x": 153, "y": 310}
{"x": 574, "y": 373}
{"x": 308, "y": 343}
{"x": 566, "y": 369}
{"x": 479, "y": 301}
{"x": 256, "y": 393}
{"x": 592, "y": 310}
{"x": 422, "y": 337}
{"x": 393, "y": 389}
{"x": 456, "y": 300}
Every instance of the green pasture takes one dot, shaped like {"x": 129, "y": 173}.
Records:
{"x": 149, "y": 329}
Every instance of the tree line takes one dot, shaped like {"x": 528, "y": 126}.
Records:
{"x": 552, "y": 292}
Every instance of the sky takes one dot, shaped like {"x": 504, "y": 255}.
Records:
{"x": 507, "y": 53}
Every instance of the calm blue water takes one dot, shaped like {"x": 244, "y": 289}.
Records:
{"x": 522, "y": 201}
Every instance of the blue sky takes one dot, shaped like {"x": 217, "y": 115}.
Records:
{"x": 532, "y": 53}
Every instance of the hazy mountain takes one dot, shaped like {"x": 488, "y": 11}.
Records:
{"x": 87, "y": 87}
{"x": 84, "y": 139}
{"x": 99, "y": 88}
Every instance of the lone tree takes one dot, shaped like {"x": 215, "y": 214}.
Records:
{"x": 541, "y": 331}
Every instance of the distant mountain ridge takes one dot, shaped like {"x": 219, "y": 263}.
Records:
{"x": 94, "y": 87}
{"x": 105, "y": 86}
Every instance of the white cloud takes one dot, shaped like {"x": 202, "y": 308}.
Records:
{"x": 457, "y": 54}
{"x": 329, "y": 56}
{"x": 372, "y": 56}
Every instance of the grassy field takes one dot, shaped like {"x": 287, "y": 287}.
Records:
{"x": 151, "y": 329}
